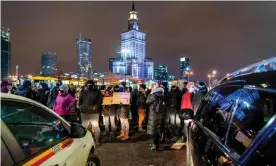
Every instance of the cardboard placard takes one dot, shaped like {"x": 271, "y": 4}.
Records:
{"x": 107, "y": 101}
{"x": 121, "y": 98}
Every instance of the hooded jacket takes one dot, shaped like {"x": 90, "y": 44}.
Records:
{"x": 63, "y": 103}
{"x": 155, "y": 103}
{"x": 4, "y": 86}
{"x": 24, "y": 89}
{"x": 42, "y": 95}
{"x": 173, "y": 98}
{"x": 141, "y": 98}
{"x": 52, "y": 95}
{"x": 90, "y": 100}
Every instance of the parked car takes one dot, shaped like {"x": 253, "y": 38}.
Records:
{"x": 33, "y": 135}
{"x": 236, "y": 123}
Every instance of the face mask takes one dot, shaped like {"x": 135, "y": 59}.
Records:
{"x": 173, "y": 86}
{"x": 191, "y": 90}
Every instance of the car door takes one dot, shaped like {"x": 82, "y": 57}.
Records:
{"x": 42, "y": 136}
{"x": 206, "y": 133}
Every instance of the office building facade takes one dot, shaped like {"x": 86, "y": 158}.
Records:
{"x": 84, "y": 54}
{"x": 185, "y": 65}
{"x": 161, "y": 72}
{"x": 49, "y": 64}
{"x": 5, "y": 54}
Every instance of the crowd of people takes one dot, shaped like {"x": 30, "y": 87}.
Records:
{"x": 155, "y": 110}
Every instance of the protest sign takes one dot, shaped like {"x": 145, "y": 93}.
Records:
{"x": 107, "y": 101}
{"x": 121, "y": 98}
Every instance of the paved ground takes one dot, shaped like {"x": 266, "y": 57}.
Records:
{"x": 134, "y": 152}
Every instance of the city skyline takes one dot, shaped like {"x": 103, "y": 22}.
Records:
{"x": 214, "y": 35}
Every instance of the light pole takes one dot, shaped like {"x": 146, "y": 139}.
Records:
{"x": 188, "y": 74}
{"x": 210, "y": 76}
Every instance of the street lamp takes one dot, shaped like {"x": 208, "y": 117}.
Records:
{"x": 188, "y": 74}
{"x": 210, "y": 76}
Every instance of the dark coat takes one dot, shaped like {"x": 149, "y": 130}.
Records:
{"x": 134, "y": 98}
{"x": 155, "y": 111}
{"x": 4, "y": 86}
{"x": 90, "y": 100}
{"x": 141, "y": 99}
{"x": 52, "y": 97}
{"x": 173, "y": 99}
{"x": 24, "y": 89}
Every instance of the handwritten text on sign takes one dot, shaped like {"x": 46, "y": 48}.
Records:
{"x": 107, "y": 100}
{"x": 120, "y": 97}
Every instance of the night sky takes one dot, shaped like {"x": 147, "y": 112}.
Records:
{"x": 215, "y": 35}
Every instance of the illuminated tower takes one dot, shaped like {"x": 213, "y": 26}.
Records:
{"x": 84, "y": 53}
{"x": 49, "y": 64}
{"x": 133, "y": 46}
{"x": 5, "y": 54}
{"x": 185, "y": 65}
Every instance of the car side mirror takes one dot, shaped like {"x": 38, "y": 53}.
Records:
{"x": 77, "y": 130}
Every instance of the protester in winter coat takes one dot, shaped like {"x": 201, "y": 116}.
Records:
{"x": 42, "y": 95}
{"x": 24, "y": 89}
{"x": 53, "y": 93}
{"x": 186, "y": 112}
{"x": 90, "y": 101}
{"x": 123, "y": 114}
{"x": 133, "y": 105}
{"x": 173, "y": 103}
{"x": 155, "y": 102}
{"x": 64, "y": 102}
{"x": 4, "y": 86}
{"x": 72, "y": 90}
{"x": 141, "y": 103}
{"x": 198, "y": 96}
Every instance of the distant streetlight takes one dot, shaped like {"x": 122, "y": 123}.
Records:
{"x": 188, "y": 74}
{"x": 210, "y": 76}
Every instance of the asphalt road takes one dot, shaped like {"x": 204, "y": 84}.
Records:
{"x": 134, "y": 152}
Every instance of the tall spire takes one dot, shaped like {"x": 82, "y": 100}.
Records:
{"x": 133, "y": 6}
{"x": 133, "y": 22}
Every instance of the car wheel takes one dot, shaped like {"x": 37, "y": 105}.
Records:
{"x": 93, "y": 160}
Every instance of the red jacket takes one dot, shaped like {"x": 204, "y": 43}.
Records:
{"x": 186, "y": 102}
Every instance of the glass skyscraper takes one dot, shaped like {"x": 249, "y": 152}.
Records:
{"x": 185, "y": 65}
{"x": 5, "y": 54}
{"x": 161, "y": 72}
{"x": 49, "y": 64}
{"x": 84, "y": 53}
{"x": 133, "y": 51}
